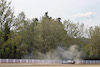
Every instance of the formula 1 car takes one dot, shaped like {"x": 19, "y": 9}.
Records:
{"x": 68, "y": 62}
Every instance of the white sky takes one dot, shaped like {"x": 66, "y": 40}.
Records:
{"x": 84, "y": 11}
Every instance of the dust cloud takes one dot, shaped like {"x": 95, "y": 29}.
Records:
{"x": 71, "y": 53}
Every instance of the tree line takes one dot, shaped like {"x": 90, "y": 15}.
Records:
{"x": 20, "y": 36}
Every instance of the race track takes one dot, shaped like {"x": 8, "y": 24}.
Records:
{"x": 47, "y": 65}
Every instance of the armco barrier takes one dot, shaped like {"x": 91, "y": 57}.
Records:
{"x": 45, "y": 61}
{"x": 28, "y": 61}
{"x": 90, "y": 62}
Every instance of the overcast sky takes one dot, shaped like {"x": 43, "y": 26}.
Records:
{"x": 84, "y": 11}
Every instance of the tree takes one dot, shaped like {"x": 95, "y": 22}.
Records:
{"x": 49, "y": 34}
{"x": 74, "y": 29}
{"x": 27, "y": 34}
{"x": 94, "y": 44}
{"x": 6, "y": 31}
{"x": 6, "y": 20}
{"x": 20, "y": 22}
{"x": 6, "y": 15}
{"x": 76, "y": 32}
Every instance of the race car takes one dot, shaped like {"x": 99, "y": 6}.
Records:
{"x": 68, "y": 62}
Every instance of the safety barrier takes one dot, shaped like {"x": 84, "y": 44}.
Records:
{"x": 46, "y": 61}
{"x": 90, "y": 62}
{"x": 28, "y": 61}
